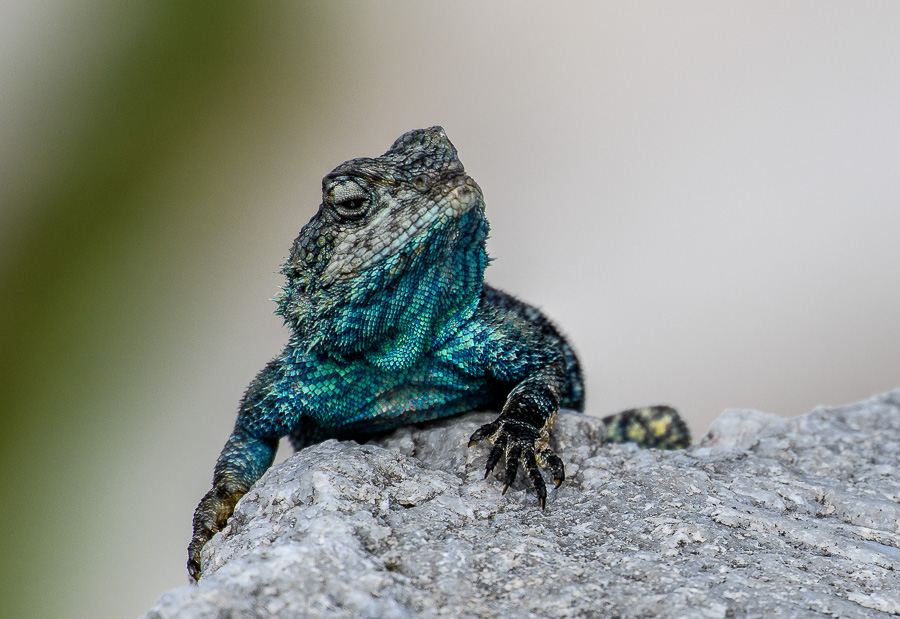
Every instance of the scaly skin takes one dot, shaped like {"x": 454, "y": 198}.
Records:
{"x": 391, "y": 323}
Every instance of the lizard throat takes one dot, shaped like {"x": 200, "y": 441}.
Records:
{"x": 401, "y": 306}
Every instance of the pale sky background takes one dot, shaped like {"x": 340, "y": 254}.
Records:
{"x": 705, "y": 196}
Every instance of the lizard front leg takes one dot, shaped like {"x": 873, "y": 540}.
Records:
{"x": 521, "y": 434}
{"x": 267, "y": 412}
{"x": 243, "y": 460}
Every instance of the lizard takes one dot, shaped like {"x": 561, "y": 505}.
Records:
{"x": 392, "y": 323}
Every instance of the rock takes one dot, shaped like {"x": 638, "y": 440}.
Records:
{"x": 765, "y": 517}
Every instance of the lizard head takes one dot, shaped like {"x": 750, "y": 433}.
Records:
{"x": 395, "y": 251}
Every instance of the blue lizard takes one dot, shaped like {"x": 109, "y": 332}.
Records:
{"x": 391, "y": 323}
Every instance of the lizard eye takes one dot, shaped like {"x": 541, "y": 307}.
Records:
{"x": 350, "y": 200}
{"x": 421, "y": 182}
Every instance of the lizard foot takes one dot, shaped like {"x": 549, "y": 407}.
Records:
{"x": 210, "y": 517}
{"x": 521, "y": 444}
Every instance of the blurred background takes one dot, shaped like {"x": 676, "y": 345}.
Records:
{"x": 704, "y": 195}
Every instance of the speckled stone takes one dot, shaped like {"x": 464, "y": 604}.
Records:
{"x": 765, "y": 517}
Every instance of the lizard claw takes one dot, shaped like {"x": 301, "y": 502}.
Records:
{"x": 487, "y": 431}
{"x": 522, "y": 445}
{"x": 494, "y": 457}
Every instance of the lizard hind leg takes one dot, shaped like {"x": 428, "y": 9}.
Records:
{"x": 651, "y": 427}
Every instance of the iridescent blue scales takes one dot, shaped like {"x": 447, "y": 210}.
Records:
{"x": 391, "y": 323}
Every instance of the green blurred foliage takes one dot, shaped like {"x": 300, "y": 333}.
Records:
{"x": 91, "y": 262}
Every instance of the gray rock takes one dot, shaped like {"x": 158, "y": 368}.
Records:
{"x": 765, "y": 517}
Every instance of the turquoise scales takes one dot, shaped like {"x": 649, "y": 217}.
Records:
{"x": 391, "y": 323}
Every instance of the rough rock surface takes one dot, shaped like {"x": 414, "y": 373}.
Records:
{"x": 765, "y": 517}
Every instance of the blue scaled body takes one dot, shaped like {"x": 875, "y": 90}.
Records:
{"x": 391, "y": 323}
